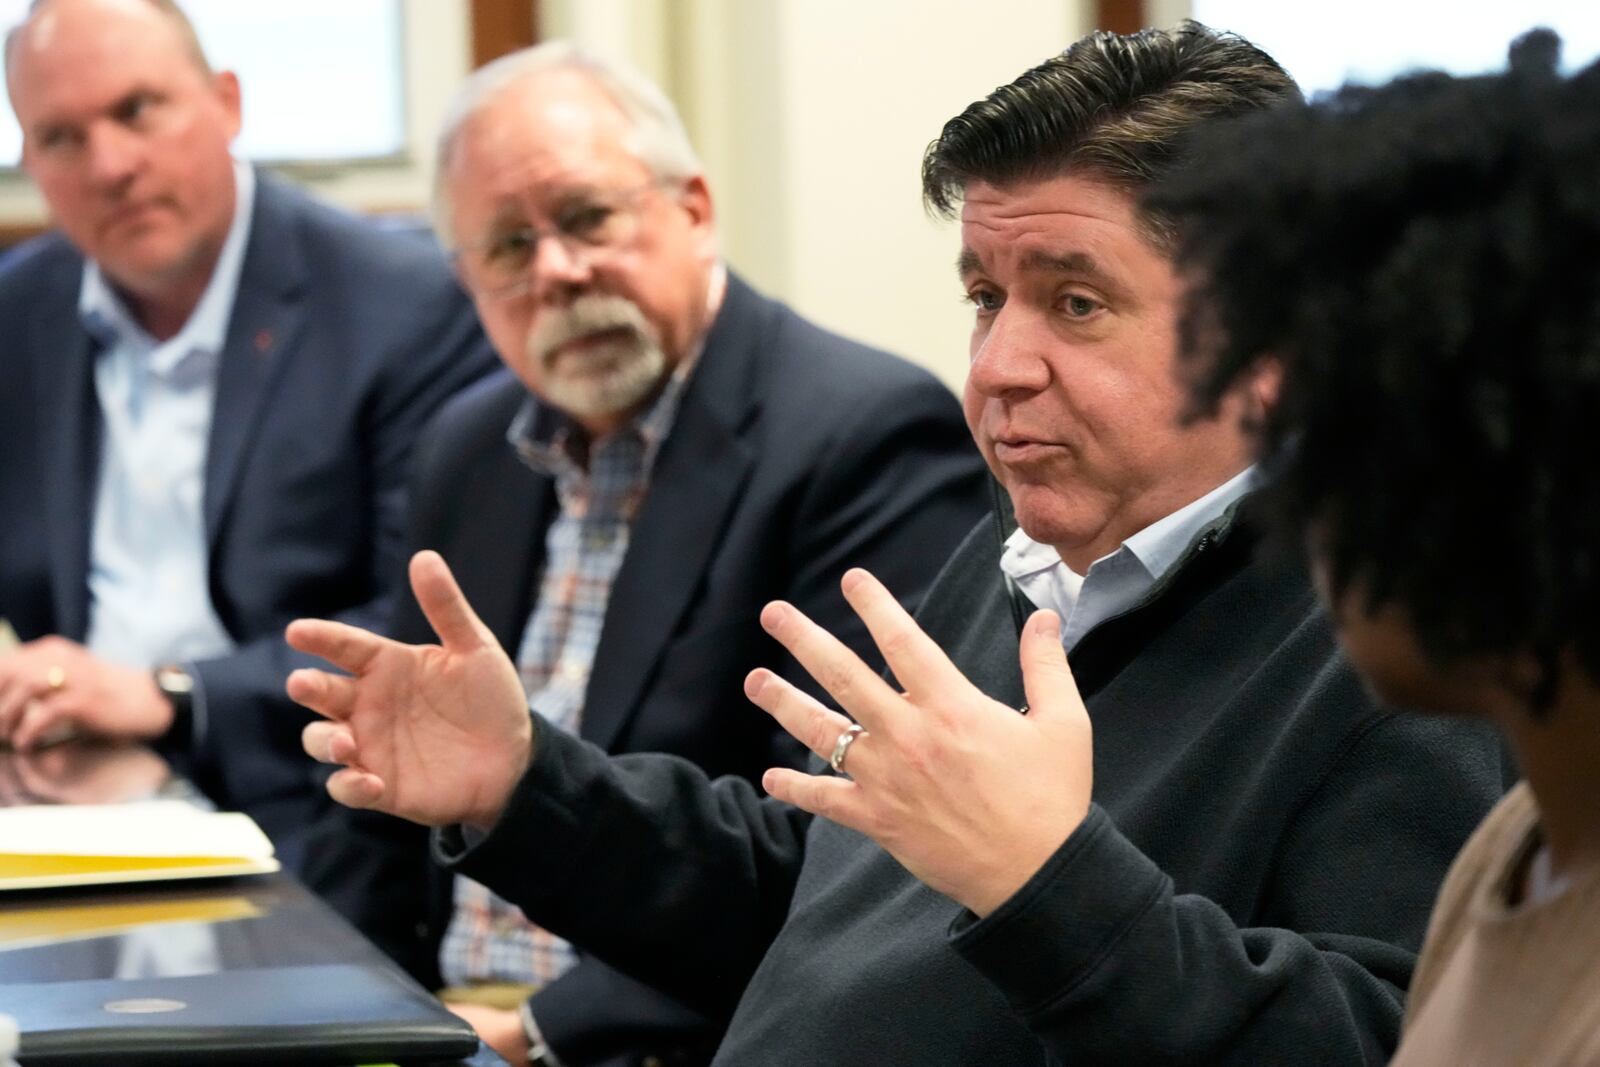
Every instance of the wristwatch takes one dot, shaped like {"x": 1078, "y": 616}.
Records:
{"x": 177, "y": 685}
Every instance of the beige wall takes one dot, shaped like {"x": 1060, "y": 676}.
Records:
{"x": 812, "y": 116}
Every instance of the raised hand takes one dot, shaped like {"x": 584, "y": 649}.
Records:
{"x": 969, "y": 795}
{"x": 436, "y": 734}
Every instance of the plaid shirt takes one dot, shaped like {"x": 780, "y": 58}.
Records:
{"x": 489, "y": 939}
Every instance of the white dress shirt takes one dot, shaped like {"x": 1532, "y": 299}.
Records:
{"x": 1114, "y": 582}
{"x": 149, "y": 600}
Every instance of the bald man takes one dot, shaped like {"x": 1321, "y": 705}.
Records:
{"x": 213, "y": 385}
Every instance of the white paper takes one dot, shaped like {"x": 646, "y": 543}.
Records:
{"x": 158, "y": 828}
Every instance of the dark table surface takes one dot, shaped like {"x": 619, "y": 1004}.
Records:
{"x": 156, "y": 929}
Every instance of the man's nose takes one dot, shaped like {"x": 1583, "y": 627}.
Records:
{"x": 1011, "y": 357}
{"x": 115, "y": 153}
{"x": 559, "y": 269}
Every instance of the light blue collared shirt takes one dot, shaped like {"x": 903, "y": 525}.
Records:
{"x": 1117, "y": 581}
{"x": 149, "y": 601}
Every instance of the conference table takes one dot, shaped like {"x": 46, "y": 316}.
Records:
{"x": 200, "y": 936}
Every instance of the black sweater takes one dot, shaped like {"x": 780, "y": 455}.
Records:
{"x": 1251, "y": 884}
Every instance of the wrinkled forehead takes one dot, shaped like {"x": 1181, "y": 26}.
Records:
{"x": 544, "y": 125}
{"x": 1027, "y": 218}
{"x": 1067, "y": 223}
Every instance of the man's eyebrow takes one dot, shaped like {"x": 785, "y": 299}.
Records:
{"x": 1064, "y": 263}
{"x": 1080, "y": 263}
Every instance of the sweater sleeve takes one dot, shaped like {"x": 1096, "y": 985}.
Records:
{"x": 677, "y": 880}
{"x": 1110, "y": 962}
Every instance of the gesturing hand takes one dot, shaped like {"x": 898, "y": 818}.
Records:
{"x": 436, "y": 734}
{"x": 968, "y": 795}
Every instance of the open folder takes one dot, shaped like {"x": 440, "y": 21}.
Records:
{"x": 89, "y": 844}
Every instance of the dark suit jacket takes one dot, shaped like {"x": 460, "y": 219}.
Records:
{"x": 344, "y": 338}
{"x": 795, "y": 455}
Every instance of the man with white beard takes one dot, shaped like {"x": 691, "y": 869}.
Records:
{"x": 668, "y": 451}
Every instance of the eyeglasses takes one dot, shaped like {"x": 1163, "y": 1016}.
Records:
{"x": 498, "y": 267}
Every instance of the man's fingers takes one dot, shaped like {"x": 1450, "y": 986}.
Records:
{"x": 838, "y": 670}
{"x": 349, "y": 648}
{"x": 446, "y": 607}
{"x": 835, "y": 799}
{"x": 40, "y": 721}
{"x": 12, "y": 703}
{"x": 326, "y": 694}
{"x": 16, "y": 690}
{"x": 355, "y": 789}
{"x": 814, "y": 726}
{"x": 328, "y": 742}
{"x": 1046, "y": 678}
{"x": 916, "y": 660}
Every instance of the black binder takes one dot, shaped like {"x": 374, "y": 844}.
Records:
{"x": 341, "y": 1014}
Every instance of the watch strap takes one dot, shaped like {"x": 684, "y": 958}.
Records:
{"x": 177, "y": 685}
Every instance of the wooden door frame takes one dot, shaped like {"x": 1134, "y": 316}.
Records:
{"x": 502, "y": 26}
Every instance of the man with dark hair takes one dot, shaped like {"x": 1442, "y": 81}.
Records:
{"x": 212, "y": 387}
{"x": 1425, "y": 258}
{"x": 1246, "y": 881}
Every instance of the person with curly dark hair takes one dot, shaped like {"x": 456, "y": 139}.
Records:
{"x": 1423, "y": 269}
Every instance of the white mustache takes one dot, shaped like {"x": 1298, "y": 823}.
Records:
{"x": 584, "y": 317}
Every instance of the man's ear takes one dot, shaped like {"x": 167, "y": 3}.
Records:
{"x": 1264, "y": 385}
{"x": 225, "y": 86}
{"x": 694, "y": 200}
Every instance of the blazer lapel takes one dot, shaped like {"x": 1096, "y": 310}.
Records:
{"x": 500, "y": 573}
{"x": 268, "y": 313}
{"x": 71, "y": 445}
{"x": 699, "y": 472}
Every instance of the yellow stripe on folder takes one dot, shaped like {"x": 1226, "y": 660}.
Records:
{"x": 30, "y": 865}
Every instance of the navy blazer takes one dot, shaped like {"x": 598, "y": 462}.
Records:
{"x": 796, "y": 454}
{"x": 344, "y": 338}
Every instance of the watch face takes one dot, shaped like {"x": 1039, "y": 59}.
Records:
{"x": 174, "y": 680}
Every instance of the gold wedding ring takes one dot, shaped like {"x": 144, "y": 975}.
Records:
{"x": 55, "y": 679}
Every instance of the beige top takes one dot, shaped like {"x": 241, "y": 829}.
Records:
{"x": 1502, "y": 984}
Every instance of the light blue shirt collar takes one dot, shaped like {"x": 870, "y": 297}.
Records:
{"x": 105, "y": 315}
{"x": 1117, "y": 581}
{"x": 1162, "y": 543}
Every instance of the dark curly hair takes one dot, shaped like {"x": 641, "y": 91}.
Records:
{"x": 1112, "y": 105}
{"x": 1423, "y": 259}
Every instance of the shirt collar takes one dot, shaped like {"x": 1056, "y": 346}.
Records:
{"x": 1156, "y": 547}
{"x": 105, "y": 315}
{"x": 1161, "y": 544}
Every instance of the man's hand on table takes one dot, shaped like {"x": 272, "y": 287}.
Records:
{"x": 52, "y": 687}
